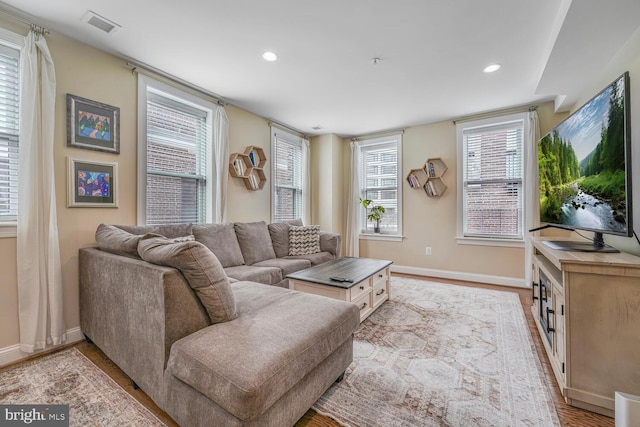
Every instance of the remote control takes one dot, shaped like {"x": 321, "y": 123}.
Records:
{"x": 340, "y": 279}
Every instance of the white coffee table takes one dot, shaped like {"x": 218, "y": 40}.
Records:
{"x": 367, "y": 285}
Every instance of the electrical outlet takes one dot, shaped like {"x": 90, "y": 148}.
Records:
{"x": 427, "y": 250}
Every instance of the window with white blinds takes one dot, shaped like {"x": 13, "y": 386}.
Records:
{"x": 492, "y": 180}
{"x": 288, "y": 170}
{"x": 379, "y": 182}
{"x": 9, "y": 131}
{"x": 177, "y": 141}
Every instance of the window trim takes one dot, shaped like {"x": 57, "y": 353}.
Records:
{"x": 145, "y": 82}
{"x": 485, "y": 123}
{"x": 362, "y": 233}
{"x": 9, "y": 228}
{"x": 292, "y": 138}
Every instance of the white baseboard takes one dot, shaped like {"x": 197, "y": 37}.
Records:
{"x": 13, "y": 354}
{"x": 456, "y": 275}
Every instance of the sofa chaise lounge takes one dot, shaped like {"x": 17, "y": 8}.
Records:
{"x": 264, "y": 367}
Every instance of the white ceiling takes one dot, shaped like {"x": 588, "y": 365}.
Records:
{"x": 432, "y": 52}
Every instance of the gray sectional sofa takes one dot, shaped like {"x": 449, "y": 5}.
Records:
{"x": 271, "y": 355}
{"x": 253, "y": 251}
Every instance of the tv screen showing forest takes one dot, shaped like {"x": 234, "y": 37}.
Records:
{"x": 583, "y": 165}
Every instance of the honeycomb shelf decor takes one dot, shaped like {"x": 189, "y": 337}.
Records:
{"x": 429, "y": 177}
{"x": 249, "y": 167}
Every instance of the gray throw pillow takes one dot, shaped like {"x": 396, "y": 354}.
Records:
{"x": 169, "y": 230}
{"x": 304, "y": 240}
{"x": 255, "y": 241}
{"x": 279, "y": 232}
{"x": 117, "y": 241}
{"x": 200, "y": 267}
{"x": 222, "y": 241}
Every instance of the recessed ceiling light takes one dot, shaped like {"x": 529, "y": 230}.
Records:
{"x": 491, "y": 68}
{"x": 269, "y": 56}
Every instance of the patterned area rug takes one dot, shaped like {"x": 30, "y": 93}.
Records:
{"x": 69, "y": 378}
{"x": 442, "y": 355}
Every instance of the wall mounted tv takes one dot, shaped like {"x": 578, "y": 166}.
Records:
{"x": 584, "y": 168}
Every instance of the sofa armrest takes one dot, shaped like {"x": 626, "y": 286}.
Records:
{"x": 134, "y": 311}
{"x": 331, "y": 242}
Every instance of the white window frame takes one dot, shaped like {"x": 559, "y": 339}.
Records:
{"x": 476, "y": 124}
{"x": 370, "y": 235}
{"x": 278, "y": 133}
{"x": 145, "y": 83}
{"x": 8, "y": 227}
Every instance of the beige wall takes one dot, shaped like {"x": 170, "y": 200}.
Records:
{"x": 327, "y": 183}
{"x": 248, "y": 129}
{"x": 86, "y": 72}
{"x": 90, "y": 73}
{"x": 432, "y": 221}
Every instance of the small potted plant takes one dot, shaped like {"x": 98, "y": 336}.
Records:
{"x": 375, "y": 213}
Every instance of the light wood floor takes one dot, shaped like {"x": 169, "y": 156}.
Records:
{"x": 569, "y": 416}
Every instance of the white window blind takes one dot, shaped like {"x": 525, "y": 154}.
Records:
{"x": 9, "y": 132}
{"x": 288, "y": 171}
{"x": 379, "y": 166}
{"x": 177, "y": 136}
{"x": 492, "y": 181}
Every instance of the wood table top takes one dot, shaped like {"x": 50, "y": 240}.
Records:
{"x": 354, "y": 269}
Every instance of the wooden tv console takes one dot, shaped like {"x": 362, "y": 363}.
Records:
{"x": 587, "y": 310}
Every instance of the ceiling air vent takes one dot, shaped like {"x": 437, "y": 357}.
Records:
{"x": 100, "y": 22}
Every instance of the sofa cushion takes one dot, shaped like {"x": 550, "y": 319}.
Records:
{"x": 278, "y": 338}
{"x": 200, "y": 267}
{"x": 317, "y": 258}
{"x": 304, "y": 240}
{"x": 255, "y": 241}
{"x": 279, "y": 232}
{"x": 170, "y": 230}
{"x": 266, "y": 275}
{"x": 117, "y": 241}
{"x": 222, "y": 241}
{"x": 287, "y": 265}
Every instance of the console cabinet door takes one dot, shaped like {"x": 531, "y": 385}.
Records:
{"x": 559, "y": 335}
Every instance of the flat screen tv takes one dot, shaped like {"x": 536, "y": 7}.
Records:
{"x": 584, "y": 167}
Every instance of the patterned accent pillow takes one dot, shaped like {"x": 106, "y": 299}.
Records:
{"x": 304, "y": 240}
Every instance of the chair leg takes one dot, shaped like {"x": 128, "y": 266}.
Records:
{"x": 135, "y": 386}
{"x": 340, "y": 378}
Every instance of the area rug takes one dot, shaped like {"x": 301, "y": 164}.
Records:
{"x": 442, "y": 355}
{"x": 69, "y": 378}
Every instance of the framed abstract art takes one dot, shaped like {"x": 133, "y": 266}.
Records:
{"x": 92, "y": 125}
{"x": 92, "y": 184}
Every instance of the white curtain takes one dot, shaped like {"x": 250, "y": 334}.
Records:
{"x": 353, "y": 206}
{"x": 532, "y": 200}
{"x": 220, "y": 158}
{"x": 40, "y": 289}
{"x": 306, "y": 182}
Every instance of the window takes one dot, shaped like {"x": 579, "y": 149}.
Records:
{"x": 380, "y": 167}
{"x": 10, "y": 45}
{"x": 174, "y": 154}
{"x": 490, "y": 174}
{"x": 289, "y": 169}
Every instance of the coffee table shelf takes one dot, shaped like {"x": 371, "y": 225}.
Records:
{"x": 368, "y": 288}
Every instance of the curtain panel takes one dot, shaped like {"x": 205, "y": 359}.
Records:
{"x": 40, "y": 292}
{"x": 352, "y": 240}
{"x": 221, "y": 157}
{"x": 532, "y": 199}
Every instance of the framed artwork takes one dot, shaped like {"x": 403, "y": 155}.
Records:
{"x": 92, "y": 184}
{"x": 92, "y": 125}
